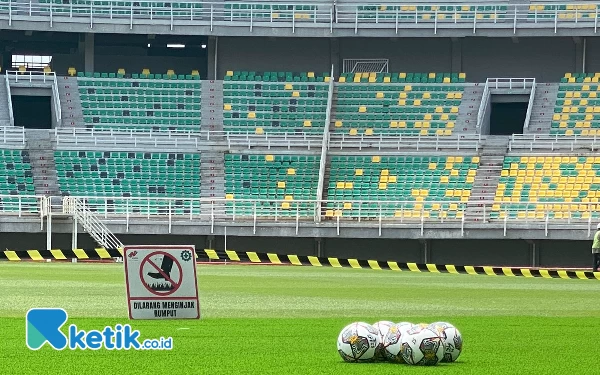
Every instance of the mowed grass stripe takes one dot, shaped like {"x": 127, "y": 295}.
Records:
{"x": 284, "y": 320}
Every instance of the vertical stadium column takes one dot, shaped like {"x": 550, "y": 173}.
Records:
{"x": 88, "y": 52}
{"x": 456, "y": 59}
{"x": 425, "y": 251}
{"x": 579, "y": 54}
{"x": 212, "y": 49}
{"x": 334, "y": 55}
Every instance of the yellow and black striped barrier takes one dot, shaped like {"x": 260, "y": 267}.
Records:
{"x": 307, "y": 260}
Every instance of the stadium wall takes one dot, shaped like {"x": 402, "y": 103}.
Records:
{"x": 546, "y": 59}
{"x": 497, "y": 252}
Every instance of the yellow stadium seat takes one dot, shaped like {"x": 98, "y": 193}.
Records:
{"x": 338, "y": 123}
{"x": 358, "y": 172}
{"x": 227, "y": 107}
{"x": 259, "y": 131}
{"x": 281, "y": 184}
{"x": 269, "y": 158}
{"x": 72, "y": 71}
{"x": 362, "y": 109}
{"x": 229, "y": 196}
{"x": 291, "y": 171}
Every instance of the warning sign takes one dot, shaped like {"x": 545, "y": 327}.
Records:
{"x": 161, "y": 282}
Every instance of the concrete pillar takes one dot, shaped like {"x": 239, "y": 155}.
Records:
{"x": 579, "y": 65}
{"x": 88, "y": 52}
{"x": 212, "y": 50}
{"x": 534, "y": 250}
{"x": 456, "y": 59}
{"x": 334, "y": 50}
{"x": 319, "y": 248}
{"x": 425, "y": 251}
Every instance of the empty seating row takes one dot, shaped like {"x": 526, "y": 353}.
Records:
{"x": 548, "y": 178}
{"x": 128, "y": 174}
{"x": 431, "y": 12}
{"x": 284, "y": 102}
{"x": 577, "y": 109}
{"x": 151, "y": 76}
{"x": 16, "y": 179}
{"x": 243, "y": 75}
{"x": 116, "y": 8}
{"x": 403, "y": 77}
{"x": 150, "y": 104}
{"x": 368, "y": 107}
{"x": 399, "y": 181}
{"x": 562, "y": 11}
{"x": 282, "y": 178}
{"x": 270, "y": 11}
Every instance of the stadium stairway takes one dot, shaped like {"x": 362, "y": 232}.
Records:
{"x": 212, "y": 174}
{"x": 4, "y": 115}
{"x": 493, "y": 150}
{"x": 466, "y": 121}
{"x": 43, "y": 166}
{"x": 70, "y": 102}
{"x": 212, "y": 106}
{"x": 543, "y": 108}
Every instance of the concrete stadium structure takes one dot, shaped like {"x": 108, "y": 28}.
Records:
{"x": 509, "y": 53}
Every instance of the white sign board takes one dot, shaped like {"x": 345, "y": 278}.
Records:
{"x": 161, "y": 282}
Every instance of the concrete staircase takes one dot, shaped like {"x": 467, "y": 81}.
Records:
{"x": 466, "y": 121}
{"x": 70, "y": 102}
{"x": 543, "y": 108}
{"x": 488, "y": 175}
{"x": 212, "y": 106}
{"x": 4, "y": 112}
{"x": 212, "y": 172}
{"x": 41, "y": 157}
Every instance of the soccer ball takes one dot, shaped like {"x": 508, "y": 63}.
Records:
{"x": 422, "y": 346}
{"x": 452, "y": 338}
{"x": 357, "y": 342}
{"x": 382, "y": 328}
{"x": 392, "y": 344}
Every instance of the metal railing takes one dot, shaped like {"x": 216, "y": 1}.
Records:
{"x": 319, "y": 16}
{"x": 97, "y": 230}
{"x": 405, "y": 143}
{"x": 510, "y": 83}
{"x": 540, "y": 142}
{"x": 530, "y": 105}
{"x": 12, "y": 136}
{"x": 324, "y": 146}
{"x": 9, "y": 99}
{"x": 34, "y": 79}
{"x": 296, "y": 214}
{"x": 485, "y": 99}
{"x": 56, "y": 102}
{"x": 20, "y": 205}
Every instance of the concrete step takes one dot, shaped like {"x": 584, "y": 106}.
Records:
{"x": 212, "y": 106}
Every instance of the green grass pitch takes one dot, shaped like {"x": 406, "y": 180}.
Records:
{"x": 285, "y": 320}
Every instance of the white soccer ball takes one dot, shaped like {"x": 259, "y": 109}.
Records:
{"x": 382, "y": 328}
{"x": 357, "y": 342}
{"x": 452, "y": 338}
{"x": 422, "y": 346}
{"x": 392, "y": 342}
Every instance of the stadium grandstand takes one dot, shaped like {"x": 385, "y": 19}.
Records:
{"x": 462, "y": 132}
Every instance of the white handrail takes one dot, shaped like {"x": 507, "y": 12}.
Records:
{"x": 56, "y": 100}
{"x": 9, "y": 98}
{"x": 530, "y": 105}
{"x": 485, "y": 98}
{"x": 324, "y": 147}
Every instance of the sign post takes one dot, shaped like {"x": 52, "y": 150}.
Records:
{"x": 161, "y": 282}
